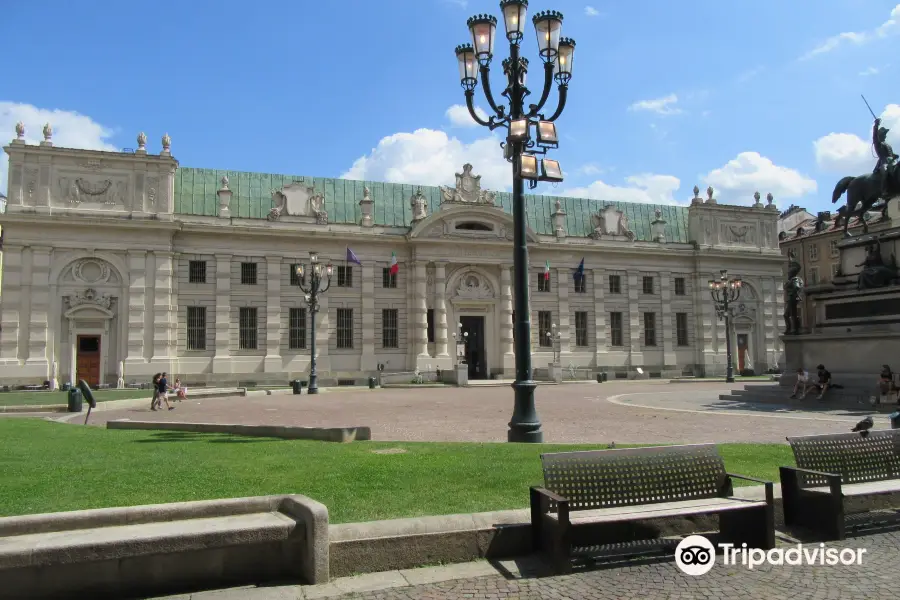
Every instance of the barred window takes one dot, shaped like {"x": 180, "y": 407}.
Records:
{"x": 197, "y": 271}
{"x": 581, "y": 328}
{"x": 545, "y": 318}
{"x": 247, "y": 328}
{"x": 679, "y": 286}
{"x": 648, "y": 284}
{"x": 248, "y": 273}
{"x": 580, "y": 283}
{"x": 615, "y": 329}
{"x": 389, "y": 337}
{"x": 295, "y": 279}
{"x": 543, "y": 282}
{"x": 681, "y": 329}
{"x": 649, "y": 329}
{"x": 345, "y": 328}
{"x": 196, "y": 328}
{"x": 615, "y": 284}
{"x": 297, "y": 329}
{"x": 344, "y": 276}
{"x": 388, "y": 279}
{"x": 430, "y": 326}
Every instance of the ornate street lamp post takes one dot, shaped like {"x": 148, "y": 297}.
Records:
{"x": 461, "y": 337}
{"x": 725, "y": 292}
{"x": 520, "y": 150}
{"x": 319, "y": 282}
{"x": 555, "y": 341}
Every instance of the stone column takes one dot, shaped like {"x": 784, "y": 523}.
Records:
{"x": 562, "y": 290}
{"x": 600, "y": 284}
{"x": 420, "y": 312}
{"x": 272, "y": 363}
{"x": 667, "y": 320}
{"x": 11, "y": 305}
{"x": 368, "y": 360}
{"x": 40, "y": 307}
{"x": 137, "y": 271}
{"x": 506, "y": 322}
{"x": 440, "y": 310}
{"x": 635, "y": 326}
{"x": 164, "y": 319}
{"x": 222, "y": 358}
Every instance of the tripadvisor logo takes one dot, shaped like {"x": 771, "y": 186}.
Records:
{"x": 696, "y": 555}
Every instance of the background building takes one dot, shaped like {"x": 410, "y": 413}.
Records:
{"x": 127, "y": 259}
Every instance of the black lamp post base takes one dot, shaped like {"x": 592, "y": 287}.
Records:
{"x": 313, "y": 385}
{"x": 525, "y": 427}
{"x": 525, "y": 433}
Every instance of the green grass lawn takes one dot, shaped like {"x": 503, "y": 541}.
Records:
{"x": 49, "y": 467}
{"x": 45, "y": 398}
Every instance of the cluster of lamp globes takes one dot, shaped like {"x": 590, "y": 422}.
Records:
{"x": 318, "y": 270}
{"x": 723, "y": 283}
{"x": 553, "y": 49}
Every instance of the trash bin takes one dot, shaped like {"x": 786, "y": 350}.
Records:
{"x": 75, "y": 400}
{"x": 895, "y": 420}
{"x": 372, "y": 383}
{"x": 599, "y": 377}
{"x": 297, "y": 386}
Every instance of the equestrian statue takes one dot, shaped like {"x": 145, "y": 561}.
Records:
{"x": 867, "y": 190}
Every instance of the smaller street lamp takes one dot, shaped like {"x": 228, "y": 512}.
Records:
{"x": 319, "y": 282}
{"x": 725, "y": 292}
{"x": 555, "y": 342}
{"x": 461, "y": 337}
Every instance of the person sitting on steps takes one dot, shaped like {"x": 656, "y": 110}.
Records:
{"x": 824, "y": 381}
{"x": 886, "y": 385}
{"x": 802, "y": 383}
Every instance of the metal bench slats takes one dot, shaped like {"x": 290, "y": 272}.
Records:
{"x": 856, "y": 458}
{"x": 660, "y": 511}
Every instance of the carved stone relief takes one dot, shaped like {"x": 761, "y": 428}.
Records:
{"x": 91, "y": 271}
{"x": 31, "y": 175}
{"x": 611, "y": 223}
{"x": 473, "y": 287}
{"x": 152, "y": 192}
{"x": 76, "y": 190}
{"x": 296, "y": 200}
{"x": 90, "y": 296}
{"x": 429, "y": 277}
{"x": 738, "y": 234}
{"x": 467, "y": 191}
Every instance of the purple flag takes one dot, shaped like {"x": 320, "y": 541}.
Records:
{"x": 352, "y": 257}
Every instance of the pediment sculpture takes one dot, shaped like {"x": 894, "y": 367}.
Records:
{"x": 473, "y": 287}
{"x": 90, "y": 296}
{"x": 610, "y": 222}
{"x": 419, "y": 205}
{"x": 298, "y": 200}
{"x": 467, "y": 191}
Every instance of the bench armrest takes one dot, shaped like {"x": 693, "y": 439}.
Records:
{"x": 549, "y": 495}
{"x": 770, "y": 489}
{"x": 811, "y": 472}
{"x": 789, "y": 478}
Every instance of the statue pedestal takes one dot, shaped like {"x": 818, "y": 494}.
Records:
{"x": 556, "y": 372}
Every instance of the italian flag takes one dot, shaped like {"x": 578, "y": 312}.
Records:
{"x": 394, "y": 266}
{"x": 547, "y": 270}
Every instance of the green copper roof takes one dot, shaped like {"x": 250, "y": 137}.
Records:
{"x": 195, "y": 194}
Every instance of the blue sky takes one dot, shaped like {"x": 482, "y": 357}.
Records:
{"x": 742, "y": 95}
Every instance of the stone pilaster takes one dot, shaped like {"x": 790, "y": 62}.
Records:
{"x": 420, "y": 312}
{"x": 635, "y": 326}
{"x": 137, "y": 271}
{"x": 705, "y": 324}
{"x": 565, "y": 331}
{"x": 667, "y": 319}
{"x": 323, "y": 333}
{"x": 440, "y": 310}
{"x": 600, "y": 283}
{"x": 40, "y": 307}
{"x": 164, "y": 319}
{"x": 273, "y": 362}
{"x": 368, "y": 360}
{"x": 506, "y": 322}
{"x": 11, "y": 305}
{"x": 222, "y": 358}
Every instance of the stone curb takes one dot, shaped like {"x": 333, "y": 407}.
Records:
{"x": 323, "y": 434}
{"x": 123, "y": 403}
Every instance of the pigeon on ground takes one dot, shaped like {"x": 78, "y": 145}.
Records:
{"x": 864, "y": 426}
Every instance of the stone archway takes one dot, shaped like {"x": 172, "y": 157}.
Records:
{"x": 474, "y": 293}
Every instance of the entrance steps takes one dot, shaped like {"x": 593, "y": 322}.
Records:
{"x": 851, "y": 399}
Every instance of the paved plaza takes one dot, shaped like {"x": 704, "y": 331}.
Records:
{"x": 621, "y": 412}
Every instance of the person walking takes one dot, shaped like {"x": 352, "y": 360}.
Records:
{"x": 155, "y": 400}
{"x": 163, "y": 391}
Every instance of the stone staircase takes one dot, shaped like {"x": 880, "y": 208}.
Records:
{"x": 848, "y": 398}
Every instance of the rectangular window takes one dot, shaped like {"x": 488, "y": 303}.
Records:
{"x": 430, "y": 327}
{"x": 248, "y": 328}
{"x": 543, "y": 282}
{"x": 813, "y": 252}
{"x": 649, "y": 329}
{"x": 295, "y": 279}
{"x": 581, "y": 328}
{"x": 813, "y": 275}
{"x": 834, "y": 248}
{"x": 389, "y": 337}
{"x": 344, "y": 276}
{"x": 248, "y": 273}
{"x": 681, "y": 329}
{"x": 344, "y": 328}
{"x": 545, "y": 318}
{"x": 615, "y": 284}
{"x": 388, "y": 279}
{"x": 297, "y": 329}
{"x": 648, "y": 284}
{"x": 196, "y": 328}
{"x": 580, "y": 284}
{"x": 197, "y": 271}
{"x": 679, "y": 286}
{"x": 615, "y": 329}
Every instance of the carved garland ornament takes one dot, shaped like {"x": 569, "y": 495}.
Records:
{"x": 89, "y": 296}
{"x": 90, "y": 270}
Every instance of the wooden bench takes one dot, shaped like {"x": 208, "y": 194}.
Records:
{"x": 608, "y": 488}
{"x": 832, "y": 467}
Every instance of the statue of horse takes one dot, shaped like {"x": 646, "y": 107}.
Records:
{"x": 864, "y": 191}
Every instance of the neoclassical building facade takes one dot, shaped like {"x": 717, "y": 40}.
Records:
{"x": 123, "y": 264}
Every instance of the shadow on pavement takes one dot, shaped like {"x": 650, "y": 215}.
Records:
{"x": 771, "y": 407}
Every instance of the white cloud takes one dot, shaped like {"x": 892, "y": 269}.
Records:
{"x": 750, "y": 172}
{"x": 750, "y": 74}
{"x": 430, "y": 157}
{"x": 70, "y": 130}
{"x": 848, "y": 153}
{"x": 858, "y": 38}
{"x": 590, "y": 11}
{"x": 590, "y": 169}
{"x": 660, "y": 106}
{"x": 459, "y": 116}
{"x": 870, "y": 71}
{"x": 646, "y": 188}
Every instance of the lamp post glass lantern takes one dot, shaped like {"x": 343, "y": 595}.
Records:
{"x": 521, "y": 150}
{"x": 313, "y": 280}
{"x": 725, "y": 292}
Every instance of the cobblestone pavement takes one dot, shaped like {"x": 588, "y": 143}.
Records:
{"x": 876, "y": 578}
{"x": 571, "y": 413}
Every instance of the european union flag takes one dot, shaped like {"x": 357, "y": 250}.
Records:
{"x": 579, "y": 272}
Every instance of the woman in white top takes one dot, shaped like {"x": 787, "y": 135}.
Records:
{"x": 802, "y": 382}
